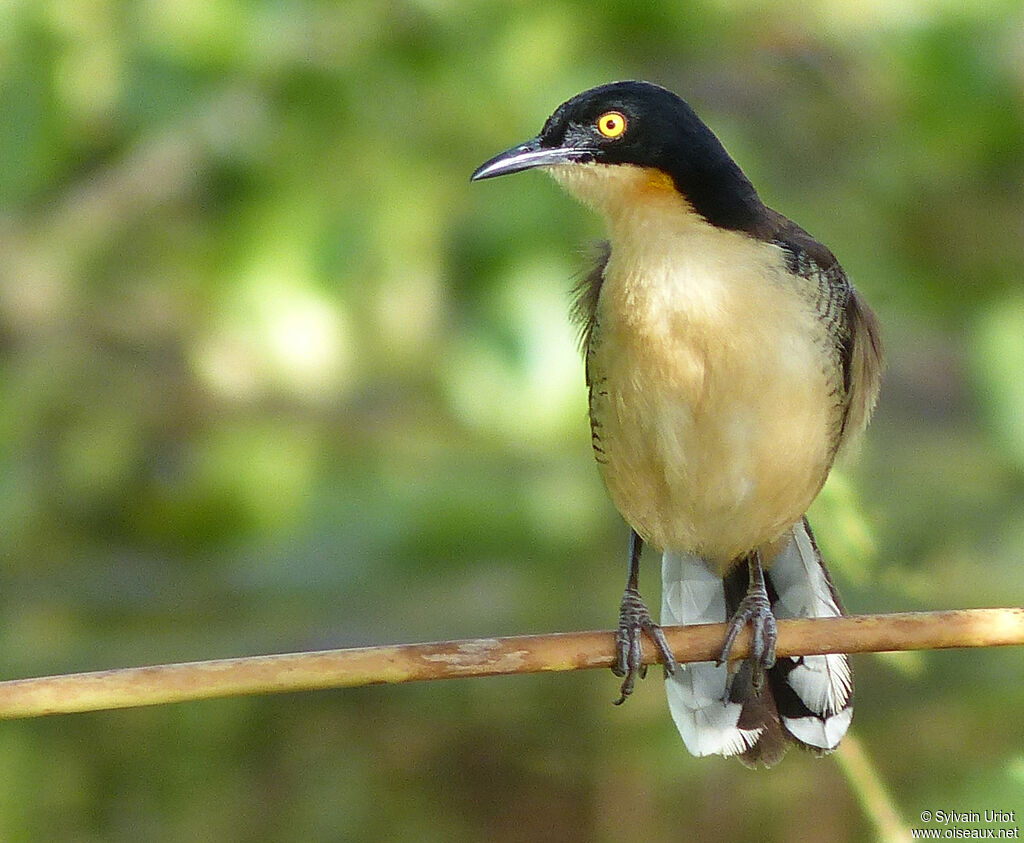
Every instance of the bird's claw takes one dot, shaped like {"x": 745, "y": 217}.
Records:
{"x": 754, "y": 609}
{"x": 634, "y": 620}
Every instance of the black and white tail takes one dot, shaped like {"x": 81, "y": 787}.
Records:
{"x": 806, "y": 699}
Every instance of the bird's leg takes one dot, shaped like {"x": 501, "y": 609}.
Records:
{"x": 634, "y": 620}
{"x": 756, "y": 609}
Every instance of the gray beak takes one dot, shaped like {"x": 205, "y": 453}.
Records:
{"x": 528, "y": 155}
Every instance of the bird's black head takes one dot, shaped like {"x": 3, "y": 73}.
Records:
{"x": 644, "y": 125}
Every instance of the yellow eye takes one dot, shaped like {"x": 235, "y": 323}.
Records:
{"x": 611, "y": 124}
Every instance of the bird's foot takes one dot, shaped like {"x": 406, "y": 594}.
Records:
{"x": 754, "y": 609}
{"x": 634, "y": 620}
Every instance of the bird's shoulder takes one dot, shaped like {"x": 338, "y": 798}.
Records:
{"x": 822, "y": 279}
{"x": 805, "y": 256}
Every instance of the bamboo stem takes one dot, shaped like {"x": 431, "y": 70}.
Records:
{"x": 155, "y": 685}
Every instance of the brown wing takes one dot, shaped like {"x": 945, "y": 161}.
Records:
{"x": 852, "y": 326}
{"x": 865, "y": 365}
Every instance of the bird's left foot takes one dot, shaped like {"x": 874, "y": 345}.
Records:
{"x": 634, "y": 620}
{"x": 754, "y": 609}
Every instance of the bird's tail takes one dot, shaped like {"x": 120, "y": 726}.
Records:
{"x": 804, "y": 699}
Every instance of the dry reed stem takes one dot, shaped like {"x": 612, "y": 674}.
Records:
{"x": 156, "y": 685}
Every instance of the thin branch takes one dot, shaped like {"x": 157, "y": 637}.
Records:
{"x": 160, "y": 684}
{"x": 874, "y": 797}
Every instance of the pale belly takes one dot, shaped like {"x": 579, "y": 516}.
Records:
{"x": 713, "y": 435}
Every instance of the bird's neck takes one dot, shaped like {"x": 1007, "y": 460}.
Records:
{"x": 722, "y": 195}
{"x": 632, "y": 199}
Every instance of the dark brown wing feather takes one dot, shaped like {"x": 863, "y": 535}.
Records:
{"x": 852, "y": 327}
{"x": 866, "y": 365}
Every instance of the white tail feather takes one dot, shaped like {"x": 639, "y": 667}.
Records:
{"x": 816, "y": 731}
{"x": 799, "y": 580}
{"x": 824, "y": 684}
{"x": 691, "y": 594}
{"x": 815, "y": 710}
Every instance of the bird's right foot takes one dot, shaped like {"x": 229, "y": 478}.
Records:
{"x": 634, "y": 620}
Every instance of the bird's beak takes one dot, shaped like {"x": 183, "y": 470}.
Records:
{"x": 528, "y": 155}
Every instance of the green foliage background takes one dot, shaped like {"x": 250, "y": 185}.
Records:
{"x": 274, "y": 376}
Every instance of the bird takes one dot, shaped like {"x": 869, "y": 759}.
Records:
{"x": 729, "y": 361}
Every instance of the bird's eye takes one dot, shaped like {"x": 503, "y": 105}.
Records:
{"x": 611, "y": 124}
